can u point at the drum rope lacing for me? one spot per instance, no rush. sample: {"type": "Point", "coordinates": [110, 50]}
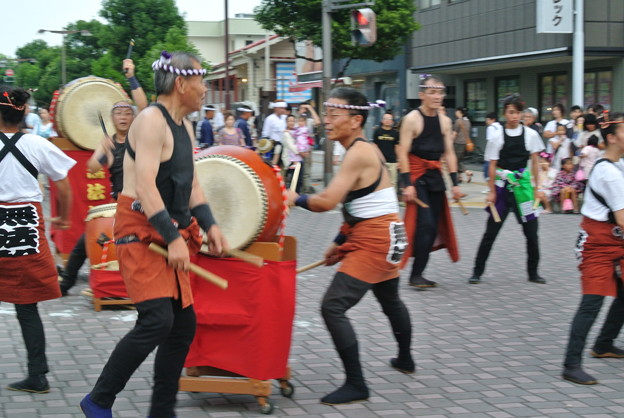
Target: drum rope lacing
{"type": "Point", "coordinates": [282, 228]}
{"type": "Point", "coordinates": [258, 182]}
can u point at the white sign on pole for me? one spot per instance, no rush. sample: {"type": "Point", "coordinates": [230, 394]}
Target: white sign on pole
{"type": "Point", "coordinates": [555, 16]}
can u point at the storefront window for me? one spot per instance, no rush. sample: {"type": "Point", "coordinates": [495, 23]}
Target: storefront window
{"type": "Point", "coordinates": [505, 87]}
{"type": "Point", "coordinates": [425, 4]}
{"type": "Point", "coordinates": [553, 90]}
{"type": "Point", "coordinates": [598, 88]}
{"type": "Point", "coordinates": [476, 99]}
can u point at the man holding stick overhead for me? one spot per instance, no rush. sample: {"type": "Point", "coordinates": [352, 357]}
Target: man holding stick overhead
{"type": "Point", "coordinates": [509, 152]}
{"type": "Point", "coordinates": [161, 202]}
{"type": "Point", "coordinates": [370, 243]}
{"type": "Point", "coordinates": [425, 138]}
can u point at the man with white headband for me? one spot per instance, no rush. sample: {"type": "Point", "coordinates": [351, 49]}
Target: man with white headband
{"type": "Point", "coordinates": [244, 113]}
{"type": "Point", "coordinates": [163, 203]}
{"type": "Point", "coordinates": [369, 246]}
{"type": "Point", "coordinates": [274, 127]}
{"type": "Point", "coordinates": [206, 130]}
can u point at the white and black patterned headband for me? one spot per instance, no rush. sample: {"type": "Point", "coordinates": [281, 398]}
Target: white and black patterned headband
{"type": "Point", "coordinates": [423, 77]}
{"type": "Point", "coordinates": [244, 109]}
{"type": "Point", "coordinates": [124, 105]}
{"type": "Point", "coordinates": [164, 63]}
{"type": "Point", "coordinates": [378, 103]}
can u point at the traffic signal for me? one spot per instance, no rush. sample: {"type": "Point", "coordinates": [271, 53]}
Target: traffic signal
{"type": "Point", "coordinates": [363, 27]}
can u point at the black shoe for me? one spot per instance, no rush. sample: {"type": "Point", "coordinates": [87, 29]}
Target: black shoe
{"type": "Point", "coordinates": [33, 384]}
{"type": "Point", "coordinates": [407, 367]}
{"type": "Point", "coordinates": [613, 352]}
{"type": "Point", "coordinates": [420, 282]}
{"type": "Point", "coordinates": [537, 279]}
{"type": "Point", "coordinates": [474, 279]}
{"type": "Point", "coordinates": [346, 394]}
{"type": "Point", "coordinates": [577, 375]}
{"type": "Point", "coordinates": [64, 289]}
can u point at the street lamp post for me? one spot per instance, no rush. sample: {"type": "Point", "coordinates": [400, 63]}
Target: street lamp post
{"type": "Point", "coordinates": [63, 33]}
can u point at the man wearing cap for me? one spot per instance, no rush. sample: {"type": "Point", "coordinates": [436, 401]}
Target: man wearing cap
{"type": "Point", "coordinates": [274, 127]}
{"type": "Point", "coordinates": [206, 132]}
{"type": "Point", "coordinates": [244, 113]}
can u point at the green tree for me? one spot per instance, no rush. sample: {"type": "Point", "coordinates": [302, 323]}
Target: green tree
{"type": "Point", "coordinates": [299, 20]}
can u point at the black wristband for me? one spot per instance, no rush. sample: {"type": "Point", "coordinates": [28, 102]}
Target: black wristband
{"type": "Point", "coordinates": [340, 238]}
{"type": "Point", "coordinates": [302, 201]}
{"type": "Point", "coordinates": [103, 159]}
{"type": "Point", "coordinates": [204, 217]}
{"type": "Point", "coordinates": [454, 179]}
{"type": "Point", "coordinates": [404, 180]}
{"type": "Point", "coordinates": [163, 224]}
{"type": "Point", "coordinates": [134, 83]}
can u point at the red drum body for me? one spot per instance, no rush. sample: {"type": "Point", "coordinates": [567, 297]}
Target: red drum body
{"type": "Point", "coordinates": [99, 233]}
{"type": "Point", "coordinates": [244, 194]}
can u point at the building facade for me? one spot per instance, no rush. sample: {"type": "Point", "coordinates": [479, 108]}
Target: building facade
{"type": "Point", "coordinates": [487, 49]}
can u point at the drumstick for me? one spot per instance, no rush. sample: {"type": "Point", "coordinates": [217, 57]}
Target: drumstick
{"type": "Point", "coordinates": [102, 123]}
{"type": "Point", "coordinates": [129, 53]}
{"type": "Point", "coordinates": [113, 263]}
{"type": "Point", "coordinates": [295, 177]}
{"type": "Point", "coordinates": [461, 206]}
{"type": "Point", "coordinates": [421, 203]}
{"type": "Point", "coordinates": [203, 273]}
{"type": "Point", "coordinates": [536, 204]}
{"type": "Point", "coordinates": [247, 257]}
{"type": "Point", "coordinates": [494, 212]}
{"type": "Point", "coordinates": [310, 266]}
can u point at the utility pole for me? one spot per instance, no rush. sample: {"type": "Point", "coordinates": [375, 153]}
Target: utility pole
{"type": "Point", "coordinates": [578, 54]}
{"type": "Point", "coordinates": [226, 85]}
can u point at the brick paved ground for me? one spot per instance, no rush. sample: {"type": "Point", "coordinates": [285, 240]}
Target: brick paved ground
{"type": "Point", "coordinates": [489, 350]}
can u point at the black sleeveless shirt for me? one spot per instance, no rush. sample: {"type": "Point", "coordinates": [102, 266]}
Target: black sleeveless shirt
{"type": "Point", "coordinates": [356, 194]}
{"type": "Point", "coordinates": [514, 155]}
{"type": "Point", "coordinates": [175, 176]}
{"type": "Point", "coordinates": [116, 168]}
{"type": "Point", "coordinates": [429, 145]}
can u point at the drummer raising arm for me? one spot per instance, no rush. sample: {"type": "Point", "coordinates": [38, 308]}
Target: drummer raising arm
{"type": "Point", "coordinates": [122, 114]}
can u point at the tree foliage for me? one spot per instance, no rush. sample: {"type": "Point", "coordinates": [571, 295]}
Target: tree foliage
{"type": "Point", "coordinates": [300, 20]}
{"type": "Point", "coordinates": [155, 25]}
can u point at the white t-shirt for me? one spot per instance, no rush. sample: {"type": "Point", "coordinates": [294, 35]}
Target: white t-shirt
{"type": "Point", "coordinates": [590, 156]}
{"type": "Point", "coordinates": [274, 127]}
{"type": "Point", "coordinates": [16, 183]}
{"type": "Point", "coordinates": [551, 126]}
{"type": "Point", "coordinates": [532, 142]}
{"type": "Point", "coordinates": [607, 180]}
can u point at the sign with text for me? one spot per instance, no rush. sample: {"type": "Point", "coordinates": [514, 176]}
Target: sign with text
{"type": "Point", "coordinates": [555, 16]}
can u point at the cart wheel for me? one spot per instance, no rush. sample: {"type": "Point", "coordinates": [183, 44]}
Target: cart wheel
{"type": "Point", "coordinates": [286, 389]}
{"type": "Point", "coordinates": [266, 406]}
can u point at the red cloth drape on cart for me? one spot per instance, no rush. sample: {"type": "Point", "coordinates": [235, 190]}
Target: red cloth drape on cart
{"type": "Point", "coordinates": [247, 328]}
{"type": "Point", "coordinates": [107, 284]}
{"type": "Point", "coordinates": [88, 190]}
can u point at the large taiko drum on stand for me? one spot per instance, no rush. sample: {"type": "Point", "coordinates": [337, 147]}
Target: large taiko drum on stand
{"type": "Point", "coordinates": [99, 233]}
{"type": "Point", "coordinates": [244, 194]}
{"type": "Point", "coordinates": [75, 110]}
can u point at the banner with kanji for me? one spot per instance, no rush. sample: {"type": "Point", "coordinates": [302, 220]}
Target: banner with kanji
{"type": "Point", "coordinates": [88, 190]}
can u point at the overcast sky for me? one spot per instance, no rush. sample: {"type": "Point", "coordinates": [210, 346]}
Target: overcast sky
{"type": "Point", "coordinates": [23, 18]}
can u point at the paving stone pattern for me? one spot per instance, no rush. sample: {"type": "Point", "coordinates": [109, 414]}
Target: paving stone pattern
{"type": "Point", "coordinates": [488, 350]}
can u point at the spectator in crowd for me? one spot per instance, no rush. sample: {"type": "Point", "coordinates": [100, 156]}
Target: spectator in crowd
{"type": "Point", "coordinates": [387, 139]}
{"type": "Point", "coordinates": [229, 134]}
{"type": "Point", "coordinates": [566, 188]}
{"type": "Point", "coordinates": [561, 146]}
{"type": "Point", "coordinates": [493, 130]}
{"type": "Point", "coordinates": [596, 109]}
{"type": "Point", "coordinates": [589, 154]}
{"type": "Point", "coordinates": [575, 112]}
{"type": "Point", "coordinates": [590, 127]}
{"type": "Point", "coordinates": [551, 127]}
{"type": "Point", "coordinates": [45, 128]}
{"type": "Point", "coordinates": [461, 134]}
{"type": "Point", "coordinates": [529, 119]}
{"type": "Point", "coordinates": [242, 123]}
{"type": "Point", "coordinates": [206, 129]}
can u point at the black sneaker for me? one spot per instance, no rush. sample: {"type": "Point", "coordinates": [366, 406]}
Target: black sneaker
{"type": "Point", "coordinates": [537, 279]}
{"type": "Point", "coordinates": [33, 384]}
{"type": "Point", "coordinates": [407, 367]}
{"type": "Point", "coordinates": [474, 279]}
{"type": "Point", "coordinates": [577, 375]}
{"type": "Point", "coordinates": [420, 282]}
{"type": "Point", "coordinates": [613, 352]}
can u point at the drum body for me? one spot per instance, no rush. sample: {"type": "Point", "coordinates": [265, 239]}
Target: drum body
{"type": "Point", "coordinates": [98, 233]}
{"type": "Point", "coordinates": [244, 194]}
{"type": "Point", "coordinates": [76, 110]}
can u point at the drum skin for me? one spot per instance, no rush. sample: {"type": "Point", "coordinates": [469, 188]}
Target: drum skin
{"type": "Point", "coordinates": [99, 226]}
{"type": "Point", "coordinates": [77, 106]}
{"type": "Point", "coordinates": [273, 200]}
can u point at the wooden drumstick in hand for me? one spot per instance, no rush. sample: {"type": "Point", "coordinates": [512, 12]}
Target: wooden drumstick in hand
{"type": "Point", "coordinates": [421, 203]}
{"type": "Point", "coordinates": [247, 257]}
{"type": "Point", "coordinates": [310, 266]}
{"type": "Point", "coordinates": [494, 212]}
{"type": "Point", "coordinates": [204, 274]}
{"type": "Point", "coordinates": [295, 177]}
{"type": "Point", "coordinates": [461, 206]}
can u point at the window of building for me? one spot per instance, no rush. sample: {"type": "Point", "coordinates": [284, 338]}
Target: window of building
{"type": "Point", "coordinates": [475, 93]}
{"type": "Point", "coordinates": [598, 88]}
{"type": "Point", "coordinates": [553, 90]}
{"type": "Point", "coordinates": [248, 42]}
{"type": "Point", "coordinates": [505, 87]}
{"type": "Point", "coordinates": [426, 4]}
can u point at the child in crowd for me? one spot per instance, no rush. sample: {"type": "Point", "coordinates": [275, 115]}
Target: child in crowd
{"type": "Point", "coordinates": [589, 155]}
{"type": "Point", "coordinates": [291, 155]}
{"type": "Point", "coordinates": [562, 147]}
{"type": "Point", "coordinates": [566, 188]}
{"type": "Point", "coordinates": [302, 137]}
{"type": "Point", "coordinates": [546, 179]}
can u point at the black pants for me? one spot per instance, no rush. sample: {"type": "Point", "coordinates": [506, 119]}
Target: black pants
{"type": "Point", "coordinates": [76, 259]}
{"type": "Point", "coordinates": [491, 232]}
{"type": "Point", "coordinates": [426, 227]}
{"type": "Point", "coordinates": [34, 337]}
{"type": "Point", "coordinates": [345, 291]}
{"type": "Point", "coordinates": [164, 324]}
{"type": "Point", "coordinates": [585, 318]}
